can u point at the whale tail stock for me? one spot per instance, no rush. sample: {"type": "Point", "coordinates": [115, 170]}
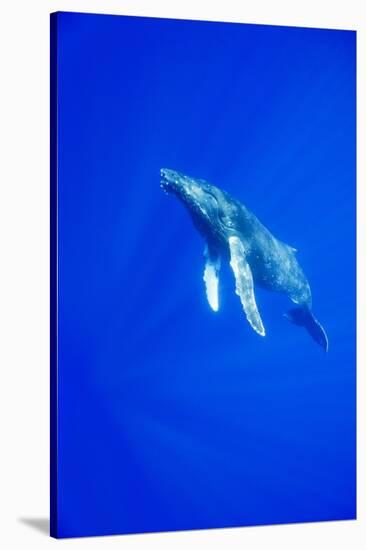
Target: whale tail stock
{"type": "Point", "coordinates": [302, 316]}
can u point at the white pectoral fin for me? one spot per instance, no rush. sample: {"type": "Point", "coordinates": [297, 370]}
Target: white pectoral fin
{"type": "Point", "coordinates": [211, 278]}
{"type": "Point", "coordinates": [244, 284]}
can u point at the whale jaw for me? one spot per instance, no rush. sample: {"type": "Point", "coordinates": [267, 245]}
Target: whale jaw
{"type": "Point", "coordinates": [173, 182]}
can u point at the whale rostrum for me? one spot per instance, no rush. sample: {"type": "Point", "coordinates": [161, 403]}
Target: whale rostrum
{"type": "Point", "coordinates": [233, 233]}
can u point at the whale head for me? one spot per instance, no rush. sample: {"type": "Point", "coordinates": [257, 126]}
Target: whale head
{"type": "Point", "coordinates": [212, 210]}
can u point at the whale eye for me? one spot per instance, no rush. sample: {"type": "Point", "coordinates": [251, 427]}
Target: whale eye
{"type": "Point", "coordinates": [225, 219]}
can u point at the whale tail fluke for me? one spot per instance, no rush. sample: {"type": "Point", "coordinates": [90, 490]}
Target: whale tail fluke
{"type": "Point", "coordinates": [303, 317]}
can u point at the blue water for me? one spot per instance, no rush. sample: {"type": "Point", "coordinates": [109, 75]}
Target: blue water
{"type": "Point", "coordinates": [172, 416]}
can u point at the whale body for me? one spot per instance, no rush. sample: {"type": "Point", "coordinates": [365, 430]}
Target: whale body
{"type": "Point", "coordinates": [233, 233]}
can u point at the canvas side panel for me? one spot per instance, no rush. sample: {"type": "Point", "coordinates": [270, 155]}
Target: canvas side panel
{"type": "Point", "coordinates": [53, 277]}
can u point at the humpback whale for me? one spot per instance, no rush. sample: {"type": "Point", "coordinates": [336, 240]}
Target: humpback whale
{"type": "Point", "coordinates": [232, 232]}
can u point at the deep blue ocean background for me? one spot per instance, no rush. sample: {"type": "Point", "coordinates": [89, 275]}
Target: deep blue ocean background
{"type": "Point", "coordinates": [172, 416]}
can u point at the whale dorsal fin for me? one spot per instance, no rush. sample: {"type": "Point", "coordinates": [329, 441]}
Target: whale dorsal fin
{"type": "Point", "coordinates": [211, 277]}
{"type": "Point", "coordinates": [289, 247]}
{"type": "Point", "coordinates": [244, 284]}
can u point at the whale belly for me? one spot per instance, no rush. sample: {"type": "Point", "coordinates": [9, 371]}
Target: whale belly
{"type": "Point", "coordinates": [276, 268]}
